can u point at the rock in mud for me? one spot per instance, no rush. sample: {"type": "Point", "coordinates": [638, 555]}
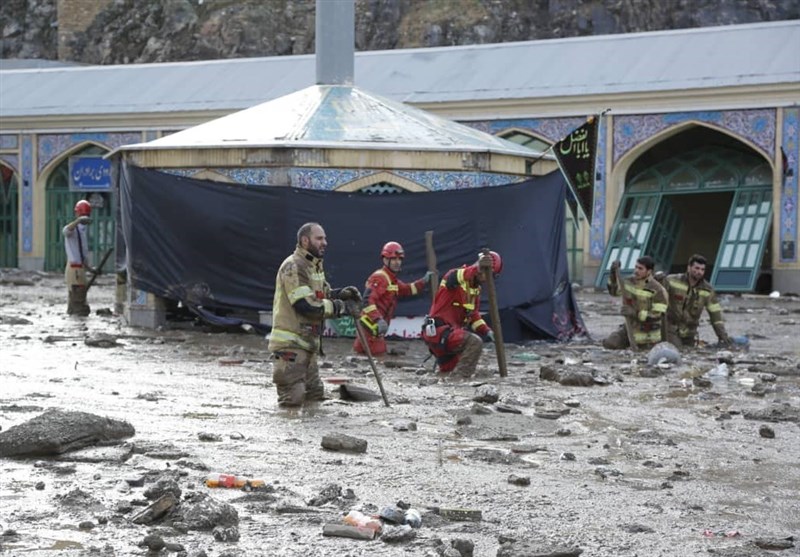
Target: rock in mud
{"type": "Point", "coordinates": [162, 486]}
{"type": "Point", "coordinates": [775, 544]}
{"type": "Point", "coordinates": [226, 533]}
{"type": "Point", "coordinates": [766, 432]}
{"type": "Point", "coordinates": [464, 547]}
{"type": "Point", "coordinates": [773, 414]}
{"type": "Point", "coordinates": [206, 513]}
{"type": "Point", "coordinates": [157, 510]}
{"type": "Point", "coordinates": [398, 534]}
{"type": "Point", "coordinates": [59, 431]}
{"type": "Point", "coordinates": [487, 394]}
{"type": "Point", "coordinates": [342, 442]}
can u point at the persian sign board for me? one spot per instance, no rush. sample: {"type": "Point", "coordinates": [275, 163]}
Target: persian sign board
{"type": "Point", "coordinates": [89, 174]}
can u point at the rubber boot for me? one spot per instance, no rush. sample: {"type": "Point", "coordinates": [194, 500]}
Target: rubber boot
{"type": "Point", "coordinates": [470, 354]}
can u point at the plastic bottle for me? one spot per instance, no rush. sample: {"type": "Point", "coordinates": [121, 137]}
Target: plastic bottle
{"type": "Point", "coordinates": [361, 520]}
{"type": "Point", "coordinates": [229, 480]}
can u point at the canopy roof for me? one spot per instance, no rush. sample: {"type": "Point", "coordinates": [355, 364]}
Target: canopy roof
{"type": "Point", "coordinates": [334, 116]}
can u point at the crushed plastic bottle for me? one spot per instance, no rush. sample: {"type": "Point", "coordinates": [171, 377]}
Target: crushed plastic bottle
{"type": "Point", "coordinates": [229, 480]}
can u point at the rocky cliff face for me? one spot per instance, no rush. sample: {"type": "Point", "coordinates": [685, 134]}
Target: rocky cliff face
{"type": "Point", "coordinates": [128, 31]}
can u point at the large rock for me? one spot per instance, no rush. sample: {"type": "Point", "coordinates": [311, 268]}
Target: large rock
{"type": "Point", "coordinates": [59, 431]}
{"type": "Point", "coordinates": [206, 513]}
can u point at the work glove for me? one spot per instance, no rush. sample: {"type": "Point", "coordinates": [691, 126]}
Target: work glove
{"type": "Point", "coordinates": [488, 337]}
{"type": "Point", "coordinates": [615, 265]}
{"type": "Point", "coordinates": [339, 307]}
{"type": "Point", "coordinates": [628, 311]}
{"type": "Point", "coordinates": [660, 276]}
{"type": "Point", "coordinates": [84, 220]}
{"type": "Point", "coordinates": [349, 293]}
{"type": "Point", "coordinates": [427, 277]}
{"type": "Point", "coordinates": [353, 307]}
{"type": "Point", "coordinates": [383, 326]}
{"type": "Point", "coordinates": [485, 262]}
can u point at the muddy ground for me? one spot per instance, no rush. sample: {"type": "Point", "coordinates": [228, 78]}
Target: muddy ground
{"type": "Point", "coordinates": [640, 466]}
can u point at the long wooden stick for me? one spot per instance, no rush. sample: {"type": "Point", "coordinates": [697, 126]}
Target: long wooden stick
{"type": "Point", "coordinates": [430, 256]}
{"type": "Point", "coordinates": [363, 338]}
{"type": "Point", "coordinates": [494, 312]}
{"type": "Point", "coordinates": [99, 269]}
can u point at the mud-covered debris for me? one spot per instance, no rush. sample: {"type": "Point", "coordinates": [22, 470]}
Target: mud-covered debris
{"type": "Point", "coordinates": [58, 468]}
{"type": "Point", "coordinates": [162, 486]}
{"type": "Point", "coordinates": [774, 544]}
{"type": "Point", "coordinates": [507, 408]}
{"type": "Point", "coordinates": [513, 479]}
{"type": "Point", "coordinates": [551, 413]}
{"type": "Point", "coordinates": [329, 493]}
{"type": "Point", "coordinates": [153, 542]}
{"type": "Point", "coordinates": [205, 513]}
{"type": "Point", "coordinates": [636, 529]}
{"type": "Point", "coordinates": [479, 409]}
{"type": "Point", "coordinates": [536, 549]}
{"type": "Point", "coordinates": [347, 531]}
{"type": "Point", "coordinates": [342, 442]}
{"type": "Point", "coordinates": [13, 320]}
{"type": "Point", "coordinates": [464, 546]}
{"type": "Point", "coordinates": [348, 391]}
{"type": "Point", "coordinates": [208, 437]}
{"type": "Point", "coordinates": [494, 456]}
{"type": "Point", "coordinates": [58, 431]}
{"type": "Point", "coordinates": [155, 511]}
{"type": "Point", "coordinates": [404, 425]}
{"type": "Point", "coordinates": [487, 394]}
{"type": "Point", "coordinates": [464, 420]}
{"type": "Point", "coordinates": [226, 533]}
{"type": "Point", "coordinates": [398, 534]}
{"type": "Point", "coordinates": [774, 413]}
{"type": "Point", "coordinates": [102, 340]}
{"type": "Point", "coordinates": [725, 357]}
{"type": "Point", "coordinates": [766, 432]}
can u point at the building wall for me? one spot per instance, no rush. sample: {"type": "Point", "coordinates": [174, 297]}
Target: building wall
{"type": "Point", "coordinates": [74, 16]}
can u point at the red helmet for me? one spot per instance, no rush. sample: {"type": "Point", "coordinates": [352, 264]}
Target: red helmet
{"type": "Point", "coordinates": [83, 208]}
{"type": "Point", "coordinates": [393, 249]}
{"type": "Point", "coordinates": [497, 262]}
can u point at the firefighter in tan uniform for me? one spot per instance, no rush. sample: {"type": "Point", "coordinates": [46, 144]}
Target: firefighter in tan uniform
{"type": "Point", "coordinates": [76, 245]}
{"type": "Point", "coordinates": [644, 303]}
{"type": "Point", "coordinates": [303, 300]}
{"type": "Point", "coordinates": [690, 294]}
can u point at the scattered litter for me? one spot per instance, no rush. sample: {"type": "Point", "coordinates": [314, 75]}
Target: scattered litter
{"type": "Point", "coordinates": [719, 371]}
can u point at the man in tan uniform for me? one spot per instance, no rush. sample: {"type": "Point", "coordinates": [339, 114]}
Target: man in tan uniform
{"type": "Point", "coordinates": [689, 294]}
{"type": "Point", "coordinates": [303, 300]}
{"type": "Point", "coordinates": [644, 302]}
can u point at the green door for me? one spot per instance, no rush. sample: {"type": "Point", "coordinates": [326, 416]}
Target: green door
{"type": "Point", "coordinates": [60, 202]}
{"type": "Point", "coordinates": [742, 247]}
{"type": "Point", "coordinates": [631, 233]}
{"type": "Point", "coordinates": [664, 236]}
{"type": "Point", "coordinates": [9, 221]}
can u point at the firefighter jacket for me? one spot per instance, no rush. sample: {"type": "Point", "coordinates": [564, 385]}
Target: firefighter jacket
{"type": "Point", "coordinates": [686, 305]}
{"type": "Point", "coordinates": [457, 301]}
{"type": "Point", "coordinates": [381, 292]}
{"type": "Point", "coordinates": [300, 277]}
{"type": "Point", "coordinates": [644, 303]}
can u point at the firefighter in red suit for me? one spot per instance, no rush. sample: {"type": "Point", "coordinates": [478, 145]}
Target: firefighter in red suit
{"type": "Point", "coordinates": [383, 288]}
{"type": "Point", "coordinates": [454, 329]}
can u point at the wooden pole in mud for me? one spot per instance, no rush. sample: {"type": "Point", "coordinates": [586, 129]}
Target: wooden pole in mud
{"type": "Point", "coordinates": [363, 339]}
{"type": "Point", "coordinates": [430, 256]}
{"type": "Point", "coordinates": [494, 312]}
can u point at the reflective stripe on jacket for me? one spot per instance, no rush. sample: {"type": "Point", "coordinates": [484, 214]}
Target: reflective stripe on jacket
{"type": "Point", "coordinates": [382, 290]}
{"type": "Point", "coordinates": [686, 305]}
{"type": "Point", "coordinates": [457, 301]}
{"type": "Point", "coordinates": [300, 276]}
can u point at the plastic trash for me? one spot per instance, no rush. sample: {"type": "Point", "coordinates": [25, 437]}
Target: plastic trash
{"type": "Point", "coordinates": [413, 518]}
{"type": "Point", "coordinates": [229, 480]}
{"type": "Point", "coordinates": [774, 294]}
{"type": "Point", "coordinates": [361, 520]}
{"type": "Point", "coordinates": [719, 371]}
{"type": "Point", "coordinates": [663, 352]}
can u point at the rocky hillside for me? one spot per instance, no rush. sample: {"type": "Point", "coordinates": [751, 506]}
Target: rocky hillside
{"type": "Point", "coordinates": [127, 31]}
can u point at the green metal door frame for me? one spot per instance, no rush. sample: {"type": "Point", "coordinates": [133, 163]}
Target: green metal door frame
{"type": "Point", "coordinates": [9, 217]}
